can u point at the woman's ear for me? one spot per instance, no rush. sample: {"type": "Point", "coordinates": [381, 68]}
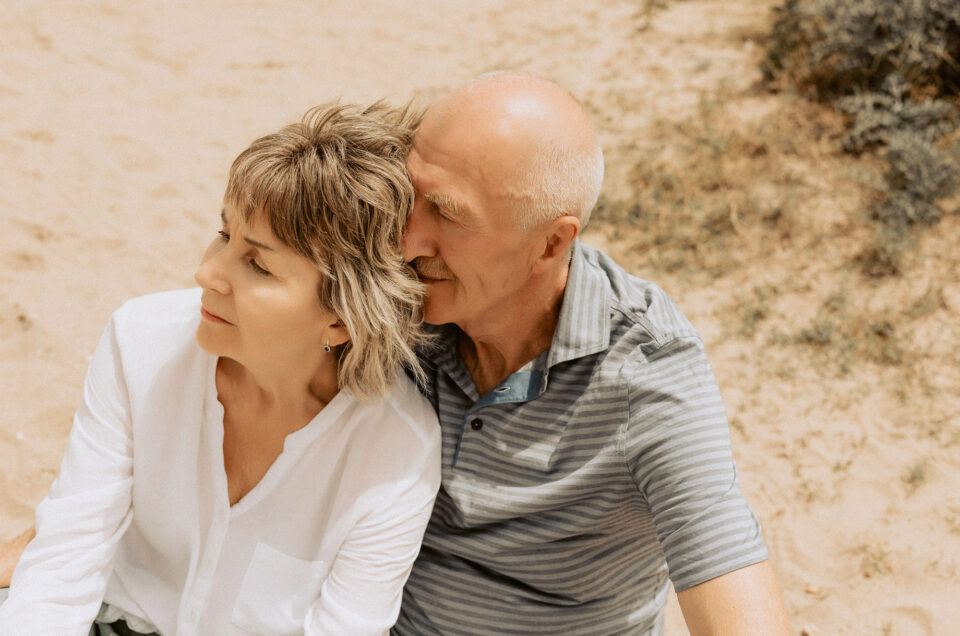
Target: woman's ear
{"type": "Point", "coordinates": [337, 334]}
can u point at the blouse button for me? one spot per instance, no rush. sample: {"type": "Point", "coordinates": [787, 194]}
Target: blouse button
{"type": "Point", "coordinates": [476, 424]}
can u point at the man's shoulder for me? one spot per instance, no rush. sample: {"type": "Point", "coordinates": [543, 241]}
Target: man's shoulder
{"type": "Point", "coordinates": [637, 304]}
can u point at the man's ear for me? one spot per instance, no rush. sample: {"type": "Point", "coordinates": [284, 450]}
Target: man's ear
{"type": "Point", "coordinates": [559, 236]}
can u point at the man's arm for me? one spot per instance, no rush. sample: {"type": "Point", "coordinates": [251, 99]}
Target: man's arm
{"type": "Point", "coordinates": [745, 601]}
{"type": "Point", "coordinates": [10, 554]}
{"type": "Point", "coordinates": [679, 453]}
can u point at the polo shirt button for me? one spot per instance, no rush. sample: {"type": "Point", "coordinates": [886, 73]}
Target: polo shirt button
{"type": "Point", "coordinates": [476, 424]}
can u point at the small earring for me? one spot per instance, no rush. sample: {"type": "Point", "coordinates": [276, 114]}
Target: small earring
{"type": "Point", "coordinates": [326, 347]}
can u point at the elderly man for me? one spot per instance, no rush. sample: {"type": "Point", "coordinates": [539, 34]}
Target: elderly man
{"type": "Point", "coordinates": [586, 454]}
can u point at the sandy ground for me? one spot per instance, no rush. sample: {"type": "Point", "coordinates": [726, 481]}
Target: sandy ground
{"type": "Point", "coordinates": [118, 122]}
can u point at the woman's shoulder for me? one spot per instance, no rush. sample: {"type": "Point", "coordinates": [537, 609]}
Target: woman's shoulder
{"type": "Point", "coordinates": [158, 321]}
{"type": "Point", "coordinates": [161, 307]}
{"type": "Point", "coordinates": [413, 408]}
{"type": "Point", "coordinates": [402, 417]}
{"type": "Point", "coordinates": [397, 437]}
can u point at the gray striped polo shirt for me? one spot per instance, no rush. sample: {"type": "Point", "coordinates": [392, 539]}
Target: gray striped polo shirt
{"type": "Point", "coordinates": [574, 489]}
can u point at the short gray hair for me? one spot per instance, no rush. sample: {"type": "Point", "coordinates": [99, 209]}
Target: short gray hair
{"type": "Point", "coordinates": [334, 187]}
{"type": "Point", "coordinates": [558, 180]}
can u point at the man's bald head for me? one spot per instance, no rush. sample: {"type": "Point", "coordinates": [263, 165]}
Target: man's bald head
{"type": "Point", "coordinates": [529, 138]}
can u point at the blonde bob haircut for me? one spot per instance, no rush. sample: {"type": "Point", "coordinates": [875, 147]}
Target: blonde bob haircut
{"type": "Point", "coordinates": [334, 187]}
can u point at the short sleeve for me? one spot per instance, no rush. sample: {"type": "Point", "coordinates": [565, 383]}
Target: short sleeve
{"type": "Point", "coordinates": [677, 447]}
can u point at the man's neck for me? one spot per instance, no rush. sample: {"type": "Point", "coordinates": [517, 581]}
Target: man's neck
{"type": "Point", "coordinates": [498, 349]}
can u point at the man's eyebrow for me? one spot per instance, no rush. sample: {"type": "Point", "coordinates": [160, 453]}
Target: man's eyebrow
{"type": "Point", "coordinates": [447, 203]}
{"type": "Point", "coordinates": [223, 218]}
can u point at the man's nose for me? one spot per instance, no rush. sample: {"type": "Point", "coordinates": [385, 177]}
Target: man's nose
{"type": "Point", "coordinates": [417, 239]}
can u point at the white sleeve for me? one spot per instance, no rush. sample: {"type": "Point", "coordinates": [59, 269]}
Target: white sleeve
{"type": "Point", "coordinates": [362, 593]}
{"type": "Point", "coordinates": [59, 583]}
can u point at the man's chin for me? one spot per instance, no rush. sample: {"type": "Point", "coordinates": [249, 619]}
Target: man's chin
{"type": "Point", "coordinates": [434, 318]}
{"type": "Point", "coordinates": [441, 304]}
{"type": "Point", "coordinates": [434, 315]}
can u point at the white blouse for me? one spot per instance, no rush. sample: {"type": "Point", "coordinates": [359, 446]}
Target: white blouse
{"type": "Point", "coordinates": [139, 517]}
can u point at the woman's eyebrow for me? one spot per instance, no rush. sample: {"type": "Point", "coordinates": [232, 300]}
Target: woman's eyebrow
{"type": "Point", "coordinates": [223, 218]}
{"type": "Point", "coordinates": [258, 244]}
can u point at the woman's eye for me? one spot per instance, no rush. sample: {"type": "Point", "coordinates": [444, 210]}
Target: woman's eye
{"type": "Point", "coordinates": [257, 268]}
{"type": "Point", "coordinates": [223, 236]}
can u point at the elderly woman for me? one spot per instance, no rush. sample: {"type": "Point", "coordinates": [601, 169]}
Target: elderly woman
{"type": "Point", "coordinates": [249, 457]}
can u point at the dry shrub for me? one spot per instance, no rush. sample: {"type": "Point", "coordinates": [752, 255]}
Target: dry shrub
{"type": "Point", "coordinates": [877, 116]}
{"type": "Point", "coordinates": [893, 68]}
{"type": "Point", "coordinates": [839, 47]}
{"type": "Point", "coordinates": [844, 338]}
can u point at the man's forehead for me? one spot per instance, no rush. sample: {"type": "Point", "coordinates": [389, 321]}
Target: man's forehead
{"type": "Point", "coordinates": [416, 170]}
{"type": "Point", "coordinates": [413, 161]}
{"type": "Point", "coordinates": [427, 165]}
{"type": "Point", "coordinates": [451, 156]}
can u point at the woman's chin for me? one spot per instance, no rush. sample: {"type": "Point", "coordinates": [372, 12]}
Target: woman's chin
{"type": "Point", "coordinates": [209, 342]}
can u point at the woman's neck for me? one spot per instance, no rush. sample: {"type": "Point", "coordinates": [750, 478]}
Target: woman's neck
{"type": "Point", "coordinates": [297, 391]}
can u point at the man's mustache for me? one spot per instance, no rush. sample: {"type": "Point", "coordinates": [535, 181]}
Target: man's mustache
{"type": "Point", "coordinates": [433, 268]}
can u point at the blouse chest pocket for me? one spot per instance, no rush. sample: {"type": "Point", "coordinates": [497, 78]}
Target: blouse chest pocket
{"type": "Point", "coordinates": [277, 591]}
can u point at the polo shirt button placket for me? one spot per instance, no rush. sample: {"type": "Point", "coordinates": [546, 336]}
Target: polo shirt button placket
{"type": "Point", "coordinates": [476, 424]}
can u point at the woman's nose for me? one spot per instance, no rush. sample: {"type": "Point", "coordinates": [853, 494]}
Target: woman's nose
{"type": "Point", "coordinates": [210, 274]}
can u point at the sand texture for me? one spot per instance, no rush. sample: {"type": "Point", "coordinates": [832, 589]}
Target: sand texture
{"type": "Point", "coordinates": [119, 120]}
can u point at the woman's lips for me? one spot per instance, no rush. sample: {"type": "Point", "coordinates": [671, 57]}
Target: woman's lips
{"type": "Point", "coordinates": [213, 317]}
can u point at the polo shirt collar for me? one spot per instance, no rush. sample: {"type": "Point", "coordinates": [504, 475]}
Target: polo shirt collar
{"type": "Point", "coordinates": [584, 324]}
